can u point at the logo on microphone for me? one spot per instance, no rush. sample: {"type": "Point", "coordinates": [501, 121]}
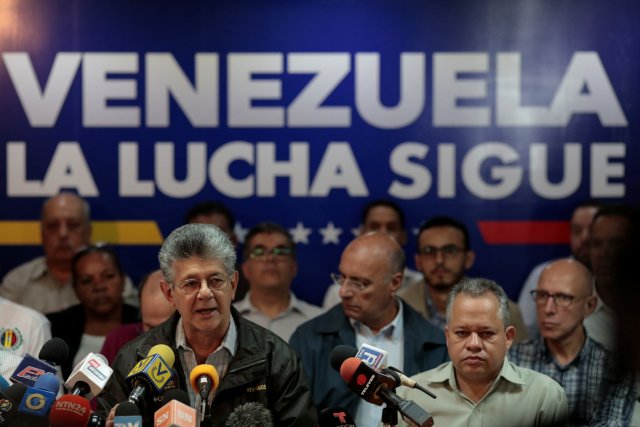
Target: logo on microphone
{"type": "Point", "coordinates": [30, 373]}
{"type": "Point", "coordinates": [361, 379]}
{"type": "Point", "coordinates": [5, 405]}
{"type": "Point", "coordinates": [93, 366]}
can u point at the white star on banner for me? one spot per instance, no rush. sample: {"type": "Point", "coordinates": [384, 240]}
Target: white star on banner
{"type": "Point", "coordinates": [240, 232]}
{"type": "Point", "coordinates": [300, 234]}
{"type": "Point", "coordinates": [355, 231]}
{"type": "Point", "coordinates": [330, 234]}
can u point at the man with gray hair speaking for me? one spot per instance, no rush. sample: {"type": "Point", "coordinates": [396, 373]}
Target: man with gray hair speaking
{"type": "Point", "coordinates": [254, 365]}
{"type": "Point", "coordinates": [480, 386]}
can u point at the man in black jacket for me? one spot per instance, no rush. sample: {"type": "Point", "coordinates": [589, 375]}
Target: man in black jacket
{"type": "Point", "coordinates": [254, 365]}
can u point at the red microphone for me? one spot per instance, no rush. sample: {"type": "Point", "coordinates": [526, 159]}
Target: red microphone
{"type": "Point", "coordinates": [70, 411]}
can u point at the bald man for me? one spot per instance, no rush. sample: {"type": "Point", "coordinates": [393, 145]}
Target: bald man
{"type": "Point", "coordinates": [44, 283]}
{"type": "Point", "coordinates": [369, 275]}
{"type": "Point", "coordinates": [564, 298]}
{"type": "Point", "coordinates": [154, 309]}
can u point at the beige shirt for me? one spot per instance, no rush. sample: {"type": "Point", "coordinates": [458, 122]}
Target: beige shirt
{"type": "Point", "coordinates": [32, 285]}
{"type": "Point", "coordinates": [519, 397]}
{"type": "Point", "coordinates": [414, 295]}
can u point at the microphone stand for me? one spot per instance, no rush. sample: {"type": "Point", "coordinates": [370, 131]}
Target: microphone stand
{"type": "Point", "coordinates": [389, 416]}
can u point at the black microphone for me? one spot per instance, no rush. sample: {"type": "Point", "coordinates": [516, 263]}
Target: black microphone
{"type": "Point", "coordinates": [339, 354]}
{"type": "Point", "coordinates": [11, 399]}
{"type": "Point", "coordinates": [377, 388]}
{"type": "Point", "coordinates": [55, 351]}
{"type": "Point", "coordinates": [250, 414]}
{"type": "Point", "coordinates": [335, 417]}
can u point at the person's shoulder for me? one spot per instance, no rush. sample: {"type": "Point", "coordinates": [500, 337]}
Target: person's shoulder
{"type": "Point", "coordinates": [22, 311]}
{"type": "Point", "coordinates": [438, 374]}
{"type": "Point", "coordinates": [534, 379]}
{"type": "Point", "coordinates": [26, 270]}
{"type": "Point", "coordinates": [411, 289]}
{"type": "Point", "coordinates": [72, 311]}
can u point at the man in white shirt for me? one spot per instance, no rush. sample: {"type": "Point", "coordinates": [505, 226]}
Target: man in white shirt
{"type": "Point", "coordinates": [22, 330]}
{"type": "Point", "coordinates": [270, 267]}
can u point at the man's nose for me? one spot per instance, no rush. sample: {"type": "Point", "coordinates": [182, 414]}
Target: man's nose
{"type": "Point", "coordinates": [474, 341]}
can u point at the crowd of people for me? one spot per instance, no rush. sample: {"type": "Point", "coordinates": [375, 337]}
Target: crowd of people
{"type": "Point", "coordinates": [559, 356]}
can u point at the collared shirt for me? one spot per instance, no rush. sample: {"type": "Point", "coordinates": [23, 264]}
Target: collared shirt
{"type": "Point", "coordinates": [284, 323]}
{"type": "Point", "coordinates": [31, 284]}
{"type": "Point", "coordinates": [601, 324]}
{"type": "Point", "coordinates": [518, 397]}
{"type": "Point", "coordinates": [391, 339]}
{"type": "Point", "coordinates": [582, 380]}
{"type": "Point", "coordinates": [437, 318]}
{"type": "Point", "coordinates": [22, 329]}
{"type": "Point", "coordinates": [220, 359]}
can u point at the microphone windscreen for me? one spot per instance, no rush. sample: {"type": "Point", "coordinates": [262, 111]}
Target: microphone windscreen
{"type": "Point", "coordinates": [349, 367]}
{"type": "Point", "coordinates": [250, 414]}
{"type": "Point", "coordinates": [49, 382]}
{"type": "Point", "coordinates": [177, 394]}
{"type": "Point", "coordinates": [341, 353]}
{"type": "Point", "coordinates": [16, 392]}
{"type": "Point", "coordinates": [126, 409]}
{"type": "Point", "coordinates": [204, 369]}
{"type": "Point", "coordinates": [70, 411]}
{"type": "Point", "coordinates": [55, 350]}
{"type": "Point", "coordinates": [163, 351]}
{"type": "Point", "coordinates": [335, 417]}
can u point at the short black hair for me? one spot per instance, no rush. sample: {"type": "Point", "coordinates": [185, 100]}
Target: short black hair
{"type": "Point", "coordinates": [268, 228]}
{"type": "Point", "coordinates": [385, 203]}
{"type": "Point", "coordinates": [87, 250]}
{"type": "Point", "coordinates": [209, 207]}
{"type": "Point", "coordinates": [445, 221]}
{"type": "Point", "coordinates": [624, 211]}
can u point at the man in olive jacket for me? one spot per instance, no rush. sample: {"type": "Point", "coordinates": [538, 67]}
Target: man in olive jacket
{"type": "Point", "coordinates": [254, 365]}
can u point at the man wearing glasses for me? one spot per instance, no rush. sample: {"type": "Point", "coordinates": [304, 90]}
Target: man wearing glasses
{"type": "Point", "coordinates": [270, 267]}
{"type": "Point", "coordinates": [369, 275]}
{"type": "Point", "coordinates": [253, 364]}
{"type": "Point", "coordinates": [444, 254]}
{"type": "Point", "coordinates": [564, 298]}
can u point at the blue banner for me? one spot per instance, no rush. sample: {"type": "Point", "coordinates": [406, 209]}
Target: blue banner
{"type": "Point", "coordinates": [494, 112]}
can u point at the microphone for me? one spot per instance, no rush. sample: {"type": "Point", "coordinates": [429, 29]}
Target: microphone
{"type": "Point", "coordinates": [96, 420]}
{"type": "Point", "coordinates": [53, 352]}
{"type": "Point", "coordinates": [9, 399]}
{"type": "Point", "coordinates": [335, 417]}
{"type": "Point", "coordinates": [339, 354]}
{"type": "Point", "coordinates": [70, 411]}
{"type": "Point", "coordinates": [177, 412]}
{"type": "Point", "coordinates": [250, 414]}
{"type": "Point", "coordinates": [29, 369]}
{"type": "Point", "coordinates": [408, 382]}
{"type": "Point", "coordinates": [151, 374]}
{"type": "Point", "coordinates": [37, 400]}
{"type": "Point", "coordinates": [89, 376]}
{"type": "Point", "coordinates": [127, 415]}
{"type": "Point", "coordinates": [377, 388]}
{"type": "Point", "coordinates": [204, 378]}
{"type": "Point", "coordinates": [377, 358]}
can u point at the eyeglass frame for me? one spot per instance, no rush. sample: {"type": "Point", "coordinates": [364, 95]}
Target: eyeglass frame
{"type": "Point", "coordinates": [277, 252]}
{"type": "Point", "coordinates": [184, 283]}
{"type": "Point", "coordinates": [453, 250]}
{"type": "Point", "coordinates": [569, 299]}
{"type": "Point", "coordinates": [355, 285]}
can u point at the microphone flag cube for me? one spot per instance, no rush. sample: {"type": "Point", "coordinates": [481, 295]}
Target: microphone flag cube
{"type": "Point", "coordinates": [29, 369]}
{"type": "Point", "coordinates": [372, 356]}
{"type": "Point", "coordinates": [152, 371]}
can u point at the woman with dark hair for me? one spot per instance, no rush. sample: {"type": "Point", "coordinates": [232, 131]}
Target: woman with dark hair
{"type": "Point", "coordinates": [98, 281]}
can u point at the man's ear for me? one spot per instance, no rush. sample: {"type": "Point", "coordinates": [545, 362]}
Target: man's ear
{"type": "Point", "coordinates": [470, 257]}
{"type": "Point", "coordinates": [167, 290]}
{"type": "Point", "coordinates": [511, 334]}
{"type": "Point", "coordinates": [590, 305]}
